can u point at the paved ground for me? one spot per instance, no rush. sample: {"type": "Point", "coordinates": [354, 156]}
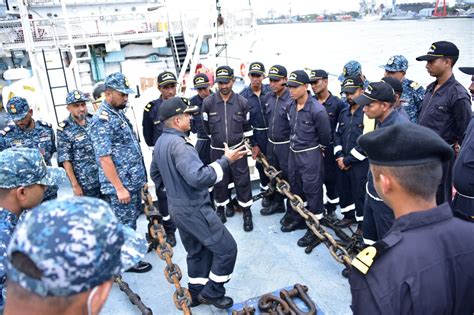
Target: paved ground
{"type": "Point", "coordinates": [267, 260]}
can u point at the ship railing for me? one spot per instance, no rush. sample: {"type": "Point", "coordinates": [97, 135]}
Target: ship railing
{"type": "Point", "coordinates": [84, 29]}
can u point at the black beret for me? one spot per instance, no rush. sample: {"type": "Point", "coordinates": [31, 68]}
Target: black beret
{"type": "Point", "coordinates": [404, 145]}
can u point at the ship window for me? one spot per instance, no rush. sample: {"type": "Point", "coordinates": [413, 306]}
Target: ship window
{"type": "Point", "coordinates": [204, 46]}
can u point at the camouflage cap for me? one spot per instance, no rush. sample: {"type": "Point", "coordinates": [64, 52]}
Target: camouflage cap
{"type": "Point", "coordinates": [350, 69]}
{"type": "Point", "coordinates": [119, 82]}
{"type": "Point", "coordinates": [17, 108]}
{"type": "Point", "coordinates": [76, 96]}
{"type": "Point", "coordinates": [396, 63]}
{"type": "Point", "coordinates": [76, 243]}
{"type": "Point", "coordinates": [25, 167]}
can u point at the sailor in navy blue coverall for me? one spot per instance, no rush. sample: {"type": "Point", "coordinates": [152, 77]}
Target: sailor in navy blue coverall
{"type": "Point", "coordinates": [211, 249]}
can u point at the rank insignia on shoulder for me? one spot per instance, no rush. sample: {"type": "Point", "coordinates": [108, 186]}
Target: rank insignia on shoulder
{"type": "Point", "coordinates": [5, 131]}
{"type": "Point", "coordinates": [148, 107]}
{"type": "Point", "coordinates": [365, 259]}
{"type": "Point", "coordinates": [44, 123]}
{"type": "Point", "coordinates": [415, 85]}
{"type": "Point", "coordinates": [61, 126]}
{"type": "Point", "coordinates": [104, 115]}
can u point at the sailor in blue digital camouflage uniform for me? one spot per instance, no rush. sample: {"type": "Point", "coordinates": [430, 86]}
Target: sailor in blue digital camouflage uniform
{"type": "Point", "coordinates": [29, 133]}
{"type": "Point", "coordinates": [352, 68]}
{"type": "Point", "coordinates": [121, 171]}
{"type": "Point", "coordinates": [24, 177]}
{"type": "Point", "coordinates": [463, 169]}
{"type": "Point", "coordinates": [310, 134]}
{"type": "Point", "coordinates": [278, 148]}
{"type": "Point", "coordinates": [350, 158]}
{"type": "Point", "coordinates": [424, 263]}
{"type": "Point", "coordinates": [152, 129]}
{"type": "Point", "coordinates": [413, 93]}
{"type": "Point", "coordinates": [226, 120]}
{"type": "Point", "coordinates": [446, 108]}
{"type": "Point", "coordinates": [64, 256]}
{"type": "Point", "coordinates": [378, 100]}
{"type": "Point", "coordinates": [75, 149]}
{"type": "Point", "coordinates": [211, 249]}
{"type": "Point", "coordinates": [333, 106]}
{"type": "Point", "coordinates": [255, 94]}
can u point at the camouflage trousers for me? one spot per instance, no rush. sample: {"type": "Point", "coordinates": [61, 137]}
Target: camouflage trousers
{"type": "Point", "coordinates": [126, 213]}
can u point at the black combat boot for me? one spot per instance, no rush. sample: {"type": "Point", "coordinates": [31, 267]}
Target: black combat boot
{"type": "Point", "coordinates": [307, 239]}
{"type": "Point", "coordinates": [248, 224]}
{"type": "Point", "coordinates": [229, 210]}
{"type": "Point", "coordinates": [221, 214]}
{"type": "Point", "coordinates": [277, 206]}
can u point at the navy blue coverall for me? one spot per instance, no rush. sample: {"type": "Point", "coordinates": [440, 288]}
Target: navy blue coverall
{"type": "Point", "coordinates": [203, 143]}
{"type": "Point", "coordinates": [229, 122]}
{"type": "Point", "coordinates": [310, 129]}
{"type": "Point", "coordinates": [447, 112]}
{"type": "Point", "coordinates": [211, 249]}
{"type": "Point", "coordinates": [278, 147]}
{"type": "Point", "coordinates": [152, 130]}
{"type": "Point", "coordinates": [378, 217]}
{"type": "Point", "coordinates": [333, 106]}
{"type": "Point", "coordinates": [422, 266]}
{"type": "Point", "coordinates": [350, 127]}
{"type": "Point", "coordinates": [463, 176]}
{"type": "Point", "coordinates": [259, 125]}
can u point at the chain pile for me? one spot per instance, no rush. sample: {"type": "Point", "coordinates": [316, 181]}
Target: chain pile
{"type": "Point", "coordinates": [181, 297]}
{"type": "Point", "coordinates": [282, 186]}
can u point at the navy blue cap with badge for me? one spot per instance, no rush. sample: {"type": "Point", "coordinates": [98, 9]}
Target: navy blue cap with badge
{"type": "Point", "coordinates": [76, 96]}
{"type": "Point", "coordinates": [21, 167]}
{"type": "Point", "coordinates": [17, 108]}
{"type": "Point", "coordinates": [224, 74]}
{"type": "Point", "coordinates": [376, 91]}
{"type": "Point", "coordinates": [257, 68]}
{"type": "Point", "coordinates": [176, 106]}
{"type": "Point", "coordinates": [119, 82]}
{"type": "Point", "coordinates": [201, 81]}
{"type": "Point", "coordinates": [277, 72]}
{"type": "Point", "coordinates": [76, 244]}
{"type": "Point", "coordinates": [408, 146]}
{"type": "Point", "coordinates": [166, 78]}
{"type": "Point", "coordinates": [318, 74]}
{"type": "Point", "coordinates": [351, 84]}
{"type": "Point", "coordinates": [298, 78]}
{"type": "Point", "coordinates": [438, 50]}
{"type": "Point", "coordinates": [351, 68]}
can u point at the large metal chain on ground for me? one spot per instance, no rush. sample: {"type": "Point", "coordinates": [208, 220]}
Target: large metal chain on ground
{"type": "Point", "coordinates": [132, 296]}
{"type": "Point", "coordinates": [181, 297]}
{"type": "Point", "coordinates": [282, 186]}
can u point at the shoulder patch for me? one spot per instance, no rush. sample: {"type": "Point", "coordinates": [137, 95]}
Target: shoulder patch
{"type": "Point", "coordinates": [415, 85]}
{"type": "Point", "coordinates": [5, 131]}
{"type": "Point", "coordinates": [44, 123]}
{"type": "Point", "coordinates": [148, 107]}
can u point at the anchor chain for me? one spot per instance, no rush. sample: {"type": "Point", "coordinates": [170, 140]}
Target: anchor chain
{"type": "Point", "coordinates": [284, 304]}
{"type": "Point", "coordinates": [181, 297]}
{"type": "Point", "coordinates": [132, 296]}
{"type": "Point", "coordinates": [337, 250]}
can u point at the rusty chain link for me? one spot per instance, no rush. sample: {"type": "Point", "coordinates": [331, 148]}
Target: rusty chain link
{"type": "Point", "coordinates": [181, 297]}
{"type": "Point", "coordinates": [132, 296]}
{"type": "Point", "coordinates": [282, 186]}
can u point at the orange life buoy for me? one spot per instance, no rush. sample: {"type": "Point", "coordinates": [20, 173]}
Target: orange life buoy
{"type": "Point", "coordinates": [242, 69]}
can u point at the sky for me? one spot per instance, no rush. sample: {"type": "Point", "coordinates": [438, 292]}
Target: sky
{"type": "Point", "coordinates": [261, 7]}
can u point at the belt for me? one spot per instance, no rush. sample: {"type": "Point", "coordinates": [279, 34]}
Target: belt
{"type": "Point", "coordinates": [308, 149]}
{"type": "Point", "coordinates": [278, 142]}
{"type": "Point", "coordinates": [232, 147]}
{"type": "Point", "coordinates": [465, 196]}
